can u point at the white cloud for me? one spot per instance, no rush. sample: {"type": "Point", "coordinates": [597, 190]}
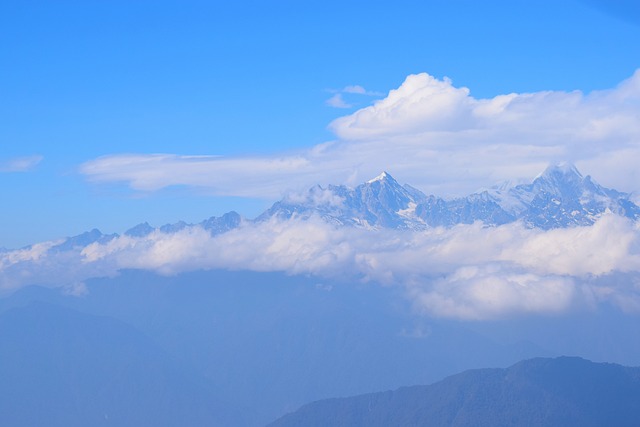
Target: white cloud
{"type": "Point", "coordinates": [428, 133]}
{"type": "Point", "coordinates": [315, 196]}
{"type": "Point", "coordinates": [422, 103]}
{"type": "Point", "coordinates": [219, 175]}
{"type": "Point", "coordinates": [489, 291]}
{"type": "Point", "coordinates": [29, 253]}
{"type": "Point", "coordinates": [359, 90]}
{"type": "Point", "coordinates": [20, 164]}
{"type": "Point", "coordinates": [355, 89]}
{"type": "Point", "coordinates": [468, 271]}
{"type": "Point", "coordinates": [337, 101]}
{"type": "Point", "coordinates": [352, 92]}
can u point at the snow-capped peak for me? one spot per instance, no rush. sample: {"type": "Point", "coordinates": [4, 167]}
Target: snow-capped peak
{"type": "Point", "coordinates": [560, 169]}
{"type": "Point", "coordinates": [382, 177]}
{"type": "Point", "coordinates": [558, 197]}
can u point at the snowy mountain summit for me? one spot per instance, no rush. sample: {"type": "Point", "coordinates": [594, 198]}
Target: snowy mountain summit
{"type": "Point", "coordinates": [378, 203]}
{"type": "Point", "coordinates": [561, 197]}
{"type": "Point", "coordinates": [558, 197]}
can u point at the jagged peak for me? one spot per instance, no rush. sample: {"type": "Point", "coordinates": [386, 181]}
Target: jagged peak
{"type": "Point", "coordinates": [384, 176]}
{"type": "Point", "coordinates": [140, 230]}
{"type": "Point", "coordinates": [231, 214]}
{"type": "Point", "coordinates": [562, 169]}
{"type": "Point", "coordinates": [93, 233]}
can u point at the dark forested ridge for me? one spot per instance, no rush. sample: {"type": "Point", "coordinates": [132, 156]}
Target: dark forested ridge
{"type": "Point", "coordinates": [565, 391]}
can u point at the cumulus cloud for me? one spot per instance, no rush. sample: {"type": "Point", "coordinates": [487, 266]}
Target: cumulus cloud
{"type": "Point", "coordinates": [429, 133]}
{"type": "Point", "coordinates": [468, 271]}
{"type": "Point", "coordinates": [422, 103]}
{"type": "Point", "coordinates": [20, 164]}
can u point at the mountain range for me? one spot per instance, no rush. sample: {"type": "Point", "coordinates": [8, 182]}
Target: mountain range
{"type": "Point", "coordinates": [559, 197]}
{"type": "Point", "coordinates": [242, 348]}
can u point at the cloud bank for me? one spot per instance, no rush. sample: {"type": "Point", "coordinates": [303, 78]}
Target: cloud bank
{"type": "Point", "coordinates": [468, 272]}
{"type": "Point", "coordinates": [428, 132]}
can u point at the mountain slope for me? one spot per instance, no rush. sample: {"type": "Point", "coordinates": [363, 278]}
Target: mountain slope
{"type": "Point", "coordinates": [380, 202]}
{"type": "Point", "coordinates": [61, 367]}
{"type": "Point", "coordinates": [559, 392]}
{"type": "Point", "coordinates": [562, 197]}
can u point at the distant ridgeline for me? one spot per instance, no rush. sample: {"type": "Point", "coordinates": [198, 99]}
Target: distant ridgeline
{"type": "Point", "coordinates": [559, 197]}
{"type": "Point", "coordinates": [562, 392]}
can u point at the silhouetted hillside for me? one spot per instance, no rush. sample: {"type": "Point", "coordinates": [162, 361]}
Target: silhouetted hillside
{"type": "Point", "coordinates": [566, 391]}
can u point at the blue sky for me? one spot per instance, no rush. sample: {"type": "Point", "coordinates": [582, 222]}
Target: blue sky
{"type": "Point", "coordinates": [84, 80]}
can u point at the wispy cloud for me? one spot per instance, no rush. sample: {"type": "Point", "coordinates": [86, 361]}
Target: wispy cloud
{"type": "Point", "coordinates": [20, 164]}
{"type": "Point", "coordinates": [469, 271]}
{"type": "Point", "coordinates": [431, 134]}
{"type": "Point", "coordinates": [353, 92]}
{"type": "Point", "coordinates": [337, 101]}
{"type": "Point", "coordinates": [219, 175]}
{"type": "Point", "coordinates": [355, 89]}
{"type": "Point", "coordinates": [359, 90]}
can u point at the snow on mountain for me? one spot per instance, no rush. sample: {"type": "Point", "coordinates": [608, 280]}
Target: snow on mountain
{"type": "Point", "coordinates": [437, 212]}
{"type": "Point", "coordinates": [384, 175]}
{"type": "Point", "coordinates": [561, 197]}
{"type": "Point", "coordinates": [558, 197]}
{"type": "Point", "coordinates": [379, 203]}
